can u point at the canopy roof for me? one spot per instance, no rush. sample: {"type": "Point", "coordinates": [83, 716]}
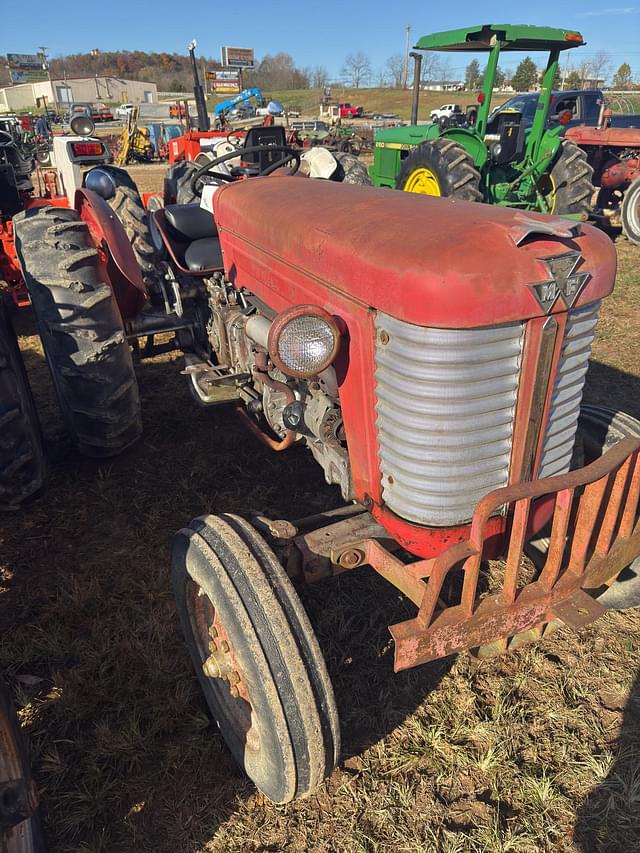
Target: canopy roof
{"type": "Point", "coordinates": [510, 36]}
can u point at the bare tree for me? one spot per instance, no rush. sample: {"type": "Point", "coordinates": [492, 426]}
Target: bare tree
{"type": "Point", "coordinates": [356, 69]}
{"type": "Point", "coordinates": [600, 65]}
{"type": "Point", "coordinates": [430, 66]}
{"type": "Point", "coordinates": [443, 71]}
{"type": "Point", "coordinates": [319, 77]}
{"type": "Point", "coordinates": [394, 66]}
{"type": "Point", "coordinates": [382, 77]}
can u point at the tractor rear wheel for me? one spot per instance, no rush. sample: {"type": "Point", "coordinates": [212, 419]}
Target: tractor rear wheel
{"type": "Point", "coordinates": [351, 170]}
{"type": "Point", "coordinates": [630, 213]}
{"type": "Point", "coordinates": [440, 167]}
{"type": "Point", "coordinates": [127, 206]}
{"type": "Point", "coordinates": [22, 458]}
{"type": "Point", "coordinates": [120, 192]}
{"type": "Point", "coordinates": [81, 330]}
{"type": "Point", "coordinates": [20, 825]}
{"type": "Point", "coordinates": [177, 184]}
{"type": "Point", "coordinates": [568, 186]}
{"type": "Point", "coordinates": [256, 656]}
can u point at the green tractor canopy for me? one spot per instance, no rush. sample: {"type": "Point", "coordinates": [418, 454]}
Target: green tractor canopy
{"type": "Point", "coordinates": [467, 156]}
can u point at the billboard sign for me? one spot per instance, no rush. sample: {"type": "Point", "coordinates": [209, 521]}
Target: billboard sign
{"type": "Point", "coordinates": [238, 57]}
{"type": "Point", "coordinates": [27, 75]}
{"type": "Point", "coordinates": [224, 82]}
{"type": "Point", "coordinates": [26, 67]}
{"type": "Point", "coordinates": [24, 60]}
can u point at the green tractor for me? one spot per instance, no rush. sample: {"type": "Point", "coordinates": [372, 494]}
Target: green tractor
{"type": "Point", "coordinates": [491, 158]}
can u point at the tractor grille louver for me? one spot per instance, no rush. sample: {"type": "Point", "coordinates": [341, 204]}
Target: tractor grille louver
{"type": "Point", "coordinates": [562, 422]}
{"type": "Point", "coordinates": [445, 411]}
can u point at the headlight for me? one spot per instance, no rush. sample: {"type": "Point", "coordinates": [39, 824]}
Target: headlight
{"type": "Point", "coordinates": [303, 340]}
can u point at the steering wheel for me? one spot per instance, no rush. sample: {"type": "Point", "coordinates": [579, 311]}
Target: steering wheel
{"type": "Point", "coordinates": [290, 154]}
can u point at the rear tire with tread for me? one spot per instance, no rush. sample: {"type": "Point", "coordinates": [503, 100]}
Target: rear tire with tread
{"type": "Point", "coordinates": [22, 458]}
{"type": "Point", "coordinates": [81, 331]}
{"type": "Point", "coordinates": [127, 206]}
{"type": "Point", "coordinates": [451, 165]}
{"type": "Point", "coordinates": [351, 170]}
{"type": "Point", "coordinates": [571, 177]}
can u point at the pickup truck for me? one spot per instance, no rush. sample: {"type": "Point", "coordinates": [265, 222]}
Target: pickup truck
{"type": "Point", "coordinates": [583, 104]}
{"type": "Point", "coordinates": [348, 111]}
{"type": "Point", "coordinates": [445, 111]}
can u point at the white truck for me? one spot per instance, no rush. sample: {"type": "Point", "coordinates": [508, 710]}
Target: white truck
{"type": "Point", "coordinates": [445, 111]}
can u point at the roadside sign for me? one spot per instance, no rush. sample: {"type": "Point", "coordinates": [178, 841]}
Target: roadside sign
{"type": "Point", "coordinates": [238, 57]}
{"type": "Point", "coordinates": [27, 75]}
{"type": "Point", "coordinates": [26, 67]}
{"type": "Point", "coordinates": [224, 81]}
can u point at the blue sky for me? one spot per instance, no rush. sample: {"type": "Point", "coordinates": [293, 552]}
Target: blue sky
{"type": "Point", "coordinates": [321, 33]}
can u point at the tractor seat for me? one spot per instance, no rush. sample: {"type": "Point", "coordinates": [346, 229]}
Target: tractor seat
{"type": "Point", "coordinates": [191, 221]}
{"type": "Point", "coordinates": [190, 234]}
{"type": "Point", "coordinates": [203, 254]}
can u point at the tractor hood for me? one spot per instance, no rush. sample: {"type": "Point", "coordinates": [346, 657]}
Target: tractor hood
{"type": "Point", "coordinates": [427, 261]}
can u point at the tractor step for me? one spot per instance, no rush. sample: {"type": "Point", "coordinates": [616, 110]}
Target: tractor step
{"type": "Point", "coordinates": [215, 386]}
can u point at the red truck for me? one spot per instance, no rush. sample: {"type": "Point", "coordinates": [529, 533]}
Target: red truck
{"type": "Point", "coordinates": [349, 111]}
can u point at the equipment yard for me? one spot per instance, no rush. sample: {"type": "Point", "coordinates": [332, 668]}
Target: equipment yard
{"type": "Point", "coordinates": [533, 751]}
{"type": "Point", "coordinates": [208, 325]}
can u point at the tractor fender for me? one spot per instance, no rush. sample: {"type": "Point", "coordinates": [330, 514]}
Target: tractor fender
{"type": "Point", "coordinates": [110, 239]}
{"type": "Point", "coordinates": [550, 144]}
{"type": "Point", "coordinates": [471, 143]}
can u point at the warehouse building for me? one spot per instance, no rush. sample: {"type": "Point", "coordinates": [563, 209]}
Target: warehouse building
{"type": "Point", "coordinates": [60, 93]}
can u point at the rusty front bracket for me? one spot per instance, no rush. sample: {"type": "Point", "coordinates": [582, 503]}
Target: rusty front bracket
{"type": "Point", "coordinates": [595, 533]}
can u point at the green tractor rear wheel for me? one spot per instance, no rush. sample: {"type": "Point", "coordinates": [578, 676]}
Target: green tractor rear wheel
{"type": "Point", "coordinates": [440, 167]}
{"type": "Point", "coordinates": [568, 186]}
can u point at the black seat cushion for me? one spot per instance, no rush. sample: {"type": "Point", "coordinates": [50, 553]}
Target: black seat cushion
{"type": "Point", "coordinates": [204, 254]}
{"type": "Point", "coordinates": [190, 221]}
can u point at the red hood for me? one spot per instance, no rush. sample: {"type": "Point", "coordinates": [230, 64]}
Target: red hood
{"type": "Point", "coordinates": [428, 261]}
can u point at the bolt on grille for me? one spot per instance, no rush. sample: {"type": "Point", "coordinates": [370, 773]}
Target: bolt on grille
{"type": "Point", "coordinates": [445, 412]}
{"type": "Point", "coordinates": [562, 422]}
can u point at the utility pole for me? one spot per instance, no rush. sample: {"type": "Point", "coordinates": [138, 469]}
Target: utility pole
{"type": "Point", "coordinates": [201, 104]}
{"type": "Point", "coordinates": [42, 50]}
{"type": "Point", "coordinates": [405, 70]}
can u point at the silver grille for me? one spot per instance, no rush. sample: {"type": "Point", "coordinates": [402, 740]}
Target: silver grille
{"type": "Point", "coordinates": [567, 392]}
{"type": "Point", "coordinates": [445, 410]}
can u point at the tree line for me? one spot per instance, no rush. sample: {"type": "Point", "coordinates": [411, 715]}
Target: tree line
{"type": "Point", "coordinates": [171, 72]}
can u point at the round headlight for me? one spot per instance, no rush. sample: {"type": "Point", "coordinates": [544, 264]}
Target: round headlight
{"type": "Point", "coordinates": [303, 340]}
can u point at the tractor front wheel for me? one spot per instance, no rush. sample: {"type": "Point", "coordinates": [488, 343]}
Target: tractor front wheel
{"type": "Point", "coordinates": [81, 330]}
{"type": "Point", "coordinates": [440, 167]}
{"type": "Point", "coordinates": [630, 213]}
{"type": "Point", "coordinates": [256, 656]}
{"type": "Point", "coordinates": [568, 186]}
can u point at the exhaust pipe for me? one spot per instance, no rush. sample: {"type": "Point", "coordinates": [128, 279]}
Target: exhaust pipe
{"type": "Point", "coordinates": [417, 68]}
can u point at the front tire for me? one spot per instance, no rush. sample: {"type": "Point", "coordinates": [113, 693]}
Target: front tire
{"type": "Point", "coordinates": [22, 458]}
{"type": "Point", "coordinates": [568, 184]}
{"type": "Point", "coordinates": [81, 330]}
{"type": "Point", "coordinates": [256, 656]}
{"type": "Point", "coordinates": [630, 212]}
{"type": "Point", "coordinates": [440, 167]}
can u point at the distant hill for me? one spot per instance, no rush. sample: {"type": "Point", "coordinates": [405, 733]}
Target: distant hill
{"type": "Point", "coordinates": [171, 72]}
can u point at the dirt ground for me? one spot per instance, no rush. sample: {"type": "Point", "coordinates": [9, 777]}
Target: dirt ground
{"type": "Point", "coordinates": [537, 751]}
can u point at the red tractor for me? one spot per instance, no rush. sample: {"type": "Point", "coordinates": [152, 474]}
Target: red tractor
{"type": "Point", "coordinates": [614, 155]}
{"type": "Point", "coordinates": [430, 354]}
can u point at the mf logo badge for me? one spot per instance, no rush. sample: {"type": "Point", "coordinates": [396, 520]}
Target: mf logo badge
{"type": "Point", "coordinates": [563, 282]}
